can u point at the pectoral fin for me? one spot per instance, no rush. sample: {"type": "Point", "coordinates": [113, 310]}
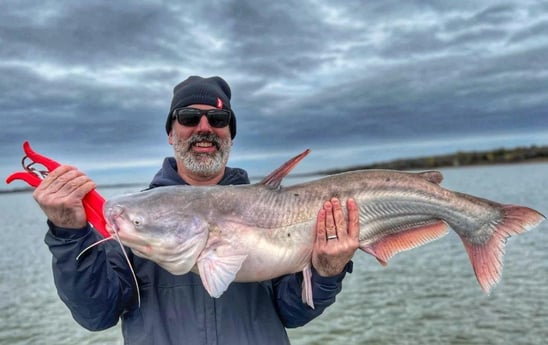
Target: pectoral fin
{"type": "Point", "coordinates": [218, 272]}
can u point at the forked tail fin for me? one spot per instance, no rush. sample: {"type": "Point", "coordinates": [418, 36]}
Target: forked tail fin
{"type": "Point", "coordinates": [486, 258]}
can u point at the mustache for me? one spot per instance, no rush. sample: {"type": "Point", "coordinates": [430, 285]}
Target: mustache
{"type": "Point", "coordinates": [214, 139]}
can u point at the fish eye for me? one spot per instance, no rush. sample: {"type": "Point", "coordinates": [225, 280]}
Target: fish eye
{"type": "Point", "coordinates": [137, 221]}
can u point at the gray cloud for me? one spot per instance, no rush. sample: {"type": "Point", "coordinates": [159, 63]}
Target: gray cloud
{"type": "Point", "coordinates": [97, 77]}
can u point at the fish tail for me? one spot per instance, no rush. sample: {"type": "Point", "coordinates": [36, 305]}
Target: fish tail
{"type": "Point", "coordinates": [486, 258]}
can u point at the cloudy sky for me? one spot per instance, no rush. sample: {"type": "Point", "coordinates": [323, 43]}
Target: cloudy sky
{"type": "Point", "coordinates": [89, 82]}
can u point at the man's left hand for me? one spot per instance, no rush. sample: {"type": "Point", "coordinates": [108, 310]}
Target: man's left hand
{"type": "Point", "coordinates": [336, 238]}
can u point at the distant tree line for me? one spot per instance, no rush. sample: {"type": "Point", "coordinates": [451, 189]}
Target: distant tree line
{"type": "Point", "coordinates": [498, 156]}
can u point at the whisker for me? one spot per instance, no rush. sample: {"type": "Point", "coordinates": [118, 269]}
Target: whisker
{"type": "Point", "coordinates": [93, 245]}
{"type": "Point", "coordinates": [117, 238]}
{"type": "Point", "coordinates": [130, 267]}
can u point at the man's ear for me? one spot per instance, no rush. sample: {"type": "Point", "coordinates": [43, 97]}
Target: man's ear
{"type": "Point", "coordinates": [170, 137]}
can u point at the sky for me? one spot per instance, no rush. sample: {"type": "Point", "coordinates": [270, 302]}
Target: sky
{"type": "Point", "coordinates": [89, 83]}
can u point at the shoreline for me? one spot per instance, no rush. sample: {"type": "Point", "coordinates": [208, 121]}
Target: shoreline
{"type": "Point", "coordinates": [518, 155]}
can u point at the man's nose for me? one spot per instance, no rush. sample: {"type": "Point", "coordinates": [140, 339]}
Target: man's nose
{"type": "Point", "coordinates": [203, 125]}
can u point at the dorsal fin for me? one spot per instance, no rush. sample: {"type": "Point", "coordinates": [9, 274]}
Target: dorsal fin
{"type": "Point", "coordinates": [275, 178]}
{"type": "Point", "coordinates": [432, 176]}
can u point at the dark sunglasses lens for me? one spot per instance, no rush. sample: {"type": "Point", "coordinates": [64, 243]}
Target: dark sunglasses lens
{"type": "Point", "coordinates": [190, 117]}
{"type": "Point", "coordinates": [218, 118]}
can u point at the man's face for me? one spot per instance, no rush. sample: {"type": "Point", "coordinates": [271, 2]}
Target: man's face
{"type": "Point", "coordinates": [202, 149]}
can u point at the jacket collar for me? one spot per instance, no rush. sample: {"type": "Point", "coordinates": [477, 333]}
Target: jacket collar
{"type": "Point", "coordinates": [168, 176]}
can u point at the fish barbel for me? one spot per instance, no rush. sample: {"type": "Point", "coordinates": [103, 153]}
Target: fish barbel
{"type": "Point", "coordinates": [262, 231]}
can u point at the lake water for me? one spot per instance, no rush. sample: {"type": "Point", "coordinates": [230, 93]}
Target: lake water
{"type": "Point", "coordinates": [425, 296]}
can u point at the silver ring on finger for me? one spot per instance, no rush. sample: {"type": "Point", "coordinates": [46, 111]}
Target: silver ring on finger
{"type": "Point", "coordinates": [332, 237]}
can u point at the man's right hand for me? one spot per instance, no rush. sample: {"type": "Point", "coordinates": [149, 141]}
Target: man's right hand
{"type": "Point", "coordinates": [60, 196]}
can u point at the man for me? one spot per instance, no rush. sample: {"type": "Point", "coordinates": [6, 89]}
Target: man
{"type": "Point", "coordinates": [99, 290]}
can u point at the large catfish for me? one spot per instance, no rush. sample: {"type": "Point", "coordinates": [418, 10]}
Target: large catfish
{"type": "Point", "coordinates": [262, 231]}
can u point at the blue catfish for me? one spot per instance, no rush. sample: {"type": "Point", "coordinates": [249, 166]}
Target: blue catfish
{"type": "Point", "coordinates": [262, 231]}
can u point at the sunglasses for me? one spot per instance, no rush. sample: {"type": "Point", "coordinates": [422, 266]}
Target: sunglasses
{"type": "Point", "coordinates": [190, 117]}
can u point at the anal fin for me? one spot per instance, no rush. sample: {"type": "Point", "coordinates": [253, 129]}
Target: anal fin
{"type": "Point", "coordinates": [415, 236]}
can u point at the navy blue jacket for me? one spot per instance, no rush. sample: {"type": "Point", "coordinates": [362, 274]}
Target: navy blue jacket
{"type": "Point", "coordinates": [99, 290]}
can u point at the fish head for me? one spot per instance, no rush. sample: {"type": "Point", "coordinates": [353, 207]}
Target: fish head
{"type": "Point", "coordinates": [156, 228]}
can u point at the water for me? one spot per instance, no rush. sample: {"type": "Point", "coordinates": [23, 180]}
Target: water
{"type": "Point", "coordinates": [425, 296]}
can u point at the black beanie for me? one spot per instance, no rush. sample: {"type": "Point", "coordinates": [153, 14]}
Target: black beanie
{"type": "Point", "coordinates": [197, 90]}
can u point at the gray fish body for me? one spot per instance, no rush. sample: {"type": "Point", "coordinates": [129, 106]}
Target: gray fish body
{"type": "Point", "coordinates": [262, 231]}
{"type": "Point", "coordinates": [276, 228]}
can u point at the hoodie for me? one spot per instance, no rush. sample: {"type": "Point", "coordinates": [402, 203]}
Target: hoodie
{"type": "Point", "coordinates": [99, 291]}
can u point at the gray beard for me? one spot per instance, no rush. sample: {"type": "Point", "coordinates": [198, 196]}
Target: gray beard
{"type": "Point", "coordinates": [202, 164]}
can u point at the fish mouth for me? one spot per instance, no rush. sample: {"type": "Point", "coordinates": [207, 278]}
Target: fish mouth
{"type": "Point", "coordinates": [113, 215]}
{"type": "Point", "coordinates": [122, 229]}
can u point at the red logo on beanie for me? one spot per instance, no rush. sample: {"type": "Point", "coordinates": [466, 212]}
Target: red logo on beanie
{"type": "Point", "coordinates": [219, 103]}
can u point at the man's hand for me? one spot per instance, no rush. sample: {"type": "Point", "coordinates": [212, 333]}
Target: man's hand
{"type": "Point", "coordinates": [60, 196]}
{"type": "Point", "coordinates": [336, 239]}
